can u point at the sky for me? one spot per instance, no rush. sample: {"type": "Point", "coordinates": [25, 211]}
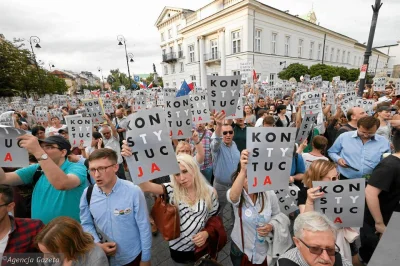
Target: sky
{"type": "Point", "coordinates": [82, 35]}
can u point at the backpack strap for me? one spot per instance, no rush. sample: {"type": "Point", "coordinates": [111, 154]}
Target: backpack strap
{"type": "Point", "coordinates": [37, 175]}
{"type": "Point", "coordinates": [89, 195]}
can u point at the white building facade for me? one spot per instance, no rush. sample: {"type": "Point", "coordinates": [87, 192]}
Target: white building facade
{"type": "Point", "coordinates": [215, 39]}
{"type": "Point", "coordinates": [393, 64]}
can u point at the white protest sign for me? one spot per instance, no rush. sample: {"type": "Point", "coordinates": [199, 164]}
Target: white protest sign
{"type": "Point", "coordinates": [11, 155]}
{"type": "Point", "coordinates": [223, 93]}
{"type": "Point", "coordinates": [396, 84]}
{"type": "Point", "coordinates": [93, 109]}
{"type": "Point", "coordinates": [179, 117]}
{"type": "Point", "coordinates": [170, 92]}
{"type": "Point", "coordinates": [152, 153]}
{"type": "Point", "coordinates": [246, 68]}
{"type": "Point", "coordinates": [306, 126]}
{"type": "Point", "coordinates": [270, 159]}
{"type": "Point", "coordinates": [311, 97]}
{"type": "Point", "coordinates": [311, 109]}
{"type": "Point", "coordinates": [287, 200]}
{"type": "Point", "coordinates": [239, 109]}
{"type": "Point", "coordinates": [367, 105]}
{"type": "Point", "coordinates": [80, 131]}
{"type": "Point", "coordinates": [56, 113]}
{"type": "Point", "coordinates": [199, 107]}
{"type": "Point", "coordinates": [343, 201]}
{"type": "Point", "coordinates": [380, 84]}
{"type": "Point", "coordinates": [7, 119]}
{"type": "Point", "coordinates": [108, 106]}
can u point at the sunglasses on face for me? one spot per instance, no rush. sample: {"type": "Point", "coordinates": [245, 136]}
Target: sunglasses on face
{"type": "Point", "coordinates": [227, 132]}
{"type": "Point", "coordinates": [318, 251]}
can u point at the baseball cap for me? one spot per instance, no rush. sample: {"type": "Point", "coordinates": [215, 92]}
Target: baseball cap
{"type": "Point", "coordinates": [61, 142]}
{"type": "Point", "coordinates": [383, 108]}
{"type": "Point", "coordinates": [63, 130]}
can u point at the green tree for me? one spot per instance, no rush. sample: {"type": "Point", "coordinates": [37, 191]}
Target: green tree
{"type": "Point", "coordinates": [116, 79]}
{"type": "Point", "coordinates": [150, 79]}
{"type": "Point", "coordinates": [294, 70]}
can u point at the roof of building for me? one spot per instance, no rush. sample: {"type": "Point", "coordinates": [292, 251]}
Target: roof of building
{"type": "Point", "coordinates": [165, 10]}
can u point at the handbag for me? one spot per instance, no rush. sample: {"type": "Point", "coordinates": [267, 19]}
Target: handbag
{"type": "Point", "coordinates": [166, 217]}
{"type": "Point", "coordinates": [245, 260]}
{"type": "Point", "coordinates": [207, 261]}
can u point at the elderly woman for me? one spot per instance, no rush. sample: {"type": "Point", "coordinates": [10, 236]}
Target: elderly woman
{"type": "Point", "coordinates": [185, 147]}
{"type": "Point", "coordinates": [257, 215]}
{"type": "Point", "coordinates": [197, 202]}
{"type": "Point", "coordinates": [323, 170]}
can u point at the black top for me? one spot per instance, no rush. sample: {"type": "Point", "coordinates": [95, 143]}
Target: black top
{"type": "Point", "coordinates": [239, 136]}
{"type": "Point", "coordinates": [331, 133]}
{"type": "Point", "coordinates": [345, 128]}
{"type": "Point", "coordinates": [258, 109]}
{"type": "Point", "coordinates": [386, 176]}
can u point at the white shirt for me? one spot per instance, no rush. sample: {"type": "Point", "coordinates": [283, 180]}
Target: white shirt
{"type": "Point", "coordinates": [309, 158]}
{"type": "Point", "coordinates": [259, 122]}
{"type": "Point", "coordinates": [290, 109]}
{"type": "Point", "coordinates": [113, 143]}
{"type": "Point", "coordinates": [3, 242]}
{"type": "Point", "coordinates": [54, 130]}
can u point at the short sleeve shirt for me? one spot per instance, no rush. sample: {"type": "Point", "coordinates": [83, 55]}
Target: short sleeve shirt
{"type": "Point", "coordinates": [48, 202]}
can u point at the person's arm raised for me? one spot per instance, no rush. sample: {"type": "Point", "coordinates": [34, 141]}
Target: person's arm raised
{"type": "Point", "coordinates": [237, 186]}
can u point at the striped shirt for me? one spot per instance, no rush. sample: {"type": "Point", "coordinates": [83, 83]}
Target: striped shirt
{"type": "Point", "coordinates": [192, 219]}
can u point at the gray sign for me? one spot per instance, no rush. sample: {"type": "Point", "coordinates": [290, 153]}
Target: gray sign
{"type": "Point", "coordinates": [199, 107]}
{"type": "Point", "coordinates": [306, 126]}
{"type": "Point", "coordinates": [287, 200]}
{"type": "Point", "coordinates": [94, 110]}
{"type": "Point", "coordinates": [108, 106]}
{"type": "Point", "coordinates": [223, 93]}
{"type": "Point", "coordinates": [387, 253]}
{"type": "Point", "coordinates": [153, 154]}
{"type": "Point", "coordinates": [239, 109]}
{"type": "Point", "coordinates": [140, 103]}
{"type": "Point", "coordinates": [80, 130]}
{"type": "Point", "coordinates": [343, 202]}
{"type": "Point", "coordinates": [270, 159]}
{"type": "Point", "coordinates": [11, 155]}
{"type": "Point", "coordinates": [179, 117]}
{"type": "Point", "coordinates": [7, 119]}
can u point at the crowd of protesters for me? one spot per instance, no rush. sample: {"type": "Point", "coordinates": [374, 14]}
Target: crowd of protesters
{"type": "Point", "coordinates": [77, 202]}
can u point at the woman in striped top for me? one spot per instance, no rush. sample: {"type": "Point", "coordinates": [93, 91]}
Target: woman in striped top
{"type": "Point", "coordinates": [196, 201]}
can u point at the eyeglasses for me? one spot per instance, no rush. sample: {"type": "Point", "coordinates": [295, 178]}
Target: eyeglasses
{"type": "Point", "coordinates": [230, 132]}
{"type": "Point", "coordinates": [318, 251]}
{"type": "Point", "coordinates": [271, 113]}
{"type": "Point", "coordinates": [5, 204]}
{"type": "Point", "coordinates": [101, 170]}
{"type": "Point", "coordinates": [50, 147]}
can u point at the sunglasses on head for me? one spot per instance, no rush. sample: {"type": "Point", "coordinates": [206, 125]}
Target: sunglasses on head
{"type": "Point", "coordinates": [226, 132]}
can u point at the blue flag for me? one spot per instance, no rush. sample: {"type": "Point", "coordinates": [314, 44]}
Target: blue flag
{"type": "Point", "coordinates": [136, 78]}
{"type": "Point", "coordinates": [184, 90]}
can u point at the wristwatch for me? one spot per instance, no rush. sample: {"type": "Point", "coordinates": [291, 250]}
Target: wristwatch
{"type": "Point", "coordinates": [44, 156]}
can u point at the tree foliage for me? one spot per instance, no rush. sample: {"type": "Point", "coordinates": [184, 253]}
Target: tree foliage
{"type": "Point", "coordinates": [19, 75]}
{"type": "Point", "coordinates": [327, 72]}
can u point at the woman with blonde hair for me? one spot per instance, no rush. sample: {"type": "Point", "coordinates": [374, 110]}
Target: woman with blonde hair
{"type": "Point", "coordinates": [197, 202]}
{"type": "Point", "coordinates": [65, 236]}
{"type": "Point", "coordinates": [322, 170]}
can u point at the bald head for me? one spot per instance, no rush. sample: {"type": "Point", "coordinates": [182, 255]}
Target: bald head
{"type": "Point", "coordinates": [355, 113]}
{"type": "Point", "coordinates": [119, 113]}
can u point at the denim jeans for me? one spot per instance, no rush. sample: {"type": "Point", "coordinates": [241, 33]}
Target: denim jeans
{"type": "Point", "coordinates": [207, 174]}
{"type": "Point", "coordinates": [236, 254]}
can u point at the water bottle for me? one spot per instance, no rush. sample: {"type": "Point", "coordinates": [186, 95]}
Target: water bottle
{"type": "Point", "coordinates": [260, 223]}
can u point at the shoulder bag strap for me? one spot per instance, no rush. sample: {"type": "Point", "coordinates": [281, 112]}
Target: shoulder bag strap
{"type": "Point", "coordinates": [241, 224]}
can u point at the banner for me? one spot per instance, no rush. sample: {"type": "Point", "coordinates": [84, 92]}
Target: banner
{"type": "Point", "coordinates": [270, 159]}
{"type": "Point", "coordinates": [11, 155]}
{"type": "Point", "coordinates": [343, 201]}
{"type": "Point", "coordinates": [306, 126]}
{"type": "Point", "coordinates": [7, 119]}
{"type": "Point", "coordinates": [287, 200]}
{"type": "Point", "coordinates": [153, 154]}
{"type": "Point", "coordinates": [179, 117]}
{"type": "Point", "coordinates": [223, 93]}
{"type": "Point", "coordinates": [93, 109]}
{"type": "Point", "coordinates": [80, 130]}
{"type": "Point", "coordinates": [199, 107]}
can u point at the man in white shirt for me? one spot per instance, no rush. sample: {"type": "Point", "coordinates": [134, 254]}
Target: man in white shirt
{"type": "Point", "coordinates": [290, 108]}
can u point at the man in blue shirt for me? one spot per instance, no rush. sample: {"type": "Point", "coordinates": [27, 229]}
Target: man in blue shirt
{"type": "Point", "coordinates": [61, 183]}
{"type": "Point", "coordinates": [226, 158]}
{"type": "Point", "coordinates": [117, 211]}
{"type": "Point", "coordinates": [358, 152]}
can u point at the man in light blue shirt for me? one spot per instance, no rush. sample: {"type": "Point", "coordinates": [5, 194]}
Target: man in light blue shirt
{"type": "Point", "coordinates": [358, 152]}
{"type": "Point", "coordinates": [118, 209]}
{"type": "Point", "coordinates": [226, 158]}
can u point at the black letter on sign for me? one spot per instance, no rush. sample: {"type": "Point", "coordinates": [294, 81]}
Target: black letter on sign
{"type": "Point", "coordinates": [354, 210]}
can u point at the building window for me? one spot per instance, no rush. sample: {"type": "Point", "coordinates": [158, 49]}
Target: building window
{"type": "Point", "coordinates": [162, 36]}
{"type": "Point", "coordinates": [355, 59]}
{"type": "Point", "coordinates": [173, 69]}
{"type": "Point", "coordinates": [236, 42]}
{"type": "Point", "coordinates": [300, 49]}
{"type": "Point", "coordinates": [338, 55]}
{"type": "Point", "coordinates": [214, 74]}
{"type": "Point", "coordinates": [319, 51]}
{"type": "Point", "coordinates": [171, 50]}
{"type": "Point", "coordinates": [182, 67]}
{"type": "Point", "coordinates": [180, 52]}
{"type": "Point", "coordinates": [332, 53]}
{"type": "Point", "coordinates": [236, 72]}
{"type": "Point", "coordinates": [191, 53]}
{"type": "Point", "coordinates": [166, 70]}
{"type": "Point", "coordinates": [164, 51]}
{"type": "Point", "coordinates": [326, 53]}
{"type": "Point", "coordinates": [169, 33]}
{"type": "Point", "coordinates": [257, 41]}
{"type": "Point", "coordinates": [178, 27]}
{"type": "Point", "coordinates": [359, 60]}
{"type": "Point", "coordinates": [348, 57]}
{"type": "Point", "coordinates": [310, 55]}
{"type": "Point", "coordinates": [287, 45]}
{"type": "Point", "coordinates": [271, 79]}
{"type": "Point", "coordinates": [273, 43]}
{"type": "Point", "coordinates": [214, 49]}
{"type": "Point", "coordinates": [174, 84]}
{"type": "Point", "coordinates": [193, 78]}
{"type": "Point", "coordinates": [344, 56]}
{"type": "Point", "coordinates": [166, 85]}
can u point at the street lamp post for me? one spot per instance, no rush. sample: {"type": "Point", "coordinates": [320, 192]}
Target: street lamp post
{"type": "Point", "coordinates": [121, 39]}
{"type": "Point", "coordinates": [101, 72]}
{"type": "Point", "coordinates": [51, 65]}
{"type": "Point", "coordinates": [36, 40]}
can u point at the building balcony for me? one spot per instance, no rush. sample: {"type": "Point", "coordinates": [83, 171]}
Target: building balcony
{"type": "Point", "coordinates": [212, 57]}
{"type": "Point", "coordinates": [169, 58]}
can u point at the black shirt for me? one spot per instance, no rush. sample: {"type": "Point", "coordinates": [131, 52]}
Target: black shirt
{"type": "Point", "coordinates": [258, 109]}
{"type": "Point", "coordinates": [302, 196]}
{"type": "Point", "coordinates": [239, 137]}
{"type": "Point", "coordinates": [345, 128]}
{"type": "Point", "coordinates": [386, 176]}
